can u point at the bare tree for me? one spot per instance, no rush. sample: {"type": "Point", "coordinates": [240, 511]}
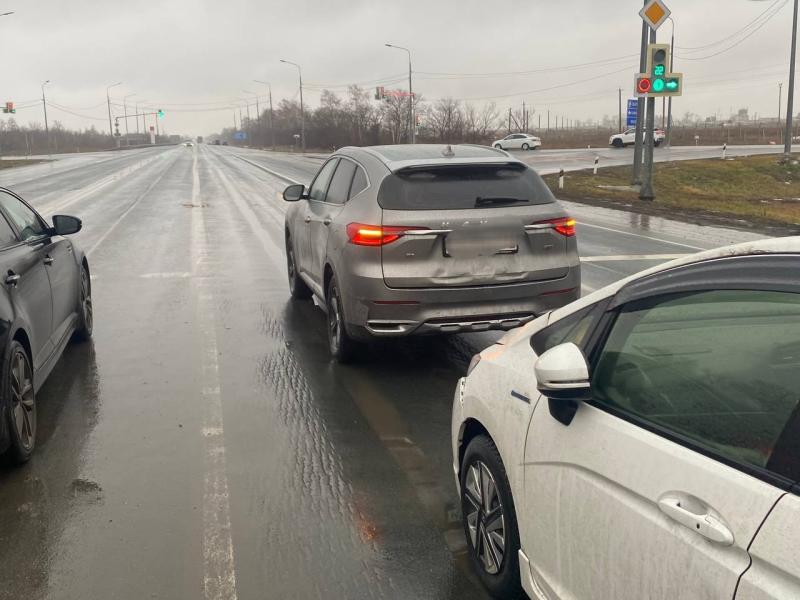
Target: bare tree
{"type": "Point", "coordinates": [447, 120]}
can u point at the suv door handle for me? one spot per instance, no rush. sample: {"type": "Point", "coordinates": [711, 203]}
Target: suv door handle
{"type": "Point", "coordinates": [693, 514]}
{"type": "Point", "coordinates": [307, 219]}
{"type": "Point", "coordinates": [327, 221]}
{"type": "Point", "coordinates": [48, 260]}
{"type": "Point", "coordinates": [12, 278]}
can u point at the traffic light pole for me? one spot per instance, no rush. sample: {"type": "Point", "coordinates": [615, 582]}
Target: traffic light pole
{"type": "Point", "coordinates": [640, 104]}
{"type": "Point", "coordinates": [787, 146]}
{"type": "Point", "coordinates": [646, 190]}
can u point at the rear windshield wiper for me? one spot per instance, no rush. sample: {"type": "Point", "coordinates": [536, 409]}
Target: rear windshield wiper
{"type": "Point", "coordinates": [499, 200]}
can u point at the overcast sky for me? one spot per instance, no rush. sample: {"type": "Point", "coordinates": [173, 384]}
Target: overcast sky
{"type": "Point", "coordinates": [188, 56]}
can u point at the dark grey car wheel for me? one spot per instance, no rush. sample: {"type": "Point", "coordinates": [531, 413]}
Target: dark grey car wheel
{"type": "Point", "coordinates": [21, 398]}
{"type": "Point", "coordinates": [618, 143]}
{"type": "Point", "coordinates": [86, 310]}
{"type": "Point", "coordinates": [489, 519]}
{"type": "Point", "coordinates": [342, 346]}
{"type": "Point", "coordinates": [297, 287]}
{"type": "Point", "coordinates": [526, 147]}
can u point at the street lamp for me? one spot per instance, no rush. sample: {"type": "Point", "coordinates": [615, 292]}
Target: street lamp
{"type": "Point", "coordinates": [271, 127]}
{"type": "Point", "coordinates": [258, 109]}
{"type": "Point", "coordinates": [411, 133]}
{"type": "Point", "coordinates": [125, 112]}
{"type": "Point", "coordinates": [5, 14]}
{"type": "Point", "coordinates": [302, 110]}
{"type": "Point", "coordinates": [44, 106]}
{"type": "Point", "coordinates": [108, 102]}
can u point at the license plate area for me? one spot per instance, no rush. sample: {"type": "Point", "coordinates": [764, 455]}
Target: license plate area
{"type": "Point", "coordinates": [480, 242]}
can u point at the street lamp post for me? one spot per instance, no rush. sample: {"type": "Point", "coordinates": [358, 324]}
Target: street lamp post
{"type": "Point", "coordinates": [302, 110]}
{"type": "Point", "coordinates": [108, 102]}
{"type": "Point", "coordinates": [125, 112]}
{"type": "Point", "coordinates": [44, 106]}
{"type": "Point", "coordinates": [271, 127]}
{"type": "Point", "coordinates": [671, 70]}
{"type": "Point", "coordinates": [258, 111]}
{"type": "Point", "coordinates": [411, 133]}
{"type": "Point", "coordinates": [787, 146]}
{"type": "Point", "coordinates": [780, 100]}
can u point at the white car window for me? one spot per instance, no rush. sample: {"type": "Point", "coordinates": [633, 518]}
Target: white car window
{"type": "Point", "coordinates": [719, 370]}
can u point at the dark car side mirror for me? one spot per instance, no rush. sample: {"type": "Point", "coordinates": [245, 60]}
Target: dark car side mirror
{"type": "Point", "coordinates": [66, 225]}
{"type": "Point", "coordinates": [294, 192]}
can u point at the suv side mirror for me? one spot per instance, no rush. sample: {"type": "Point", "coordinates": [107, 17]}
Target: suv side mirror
{"type": "Point", "coordinates": [562, 375]}
{"type": "Point", "coordinates": [294, 192]}
{"type": "Point", "coordinates": [66, 225]}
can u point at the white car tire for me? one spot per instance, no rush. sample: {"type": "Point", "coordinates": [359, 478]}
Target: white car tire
{"type": "Point", "coordinates": [498, 146]}
{"type": "Point", "coordinates": [526, 147]}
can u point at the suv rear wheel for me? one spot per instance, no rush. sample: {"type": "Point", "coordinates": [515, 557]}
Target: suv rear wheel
{"type": "Point", "coordinates": [498, 146]}
{"type": "Point", "coordinates": [526, 147]}
{"type": "Point", "coordinates": [618, 143]}
{"type": "Point", "coordinates": [341, 345]}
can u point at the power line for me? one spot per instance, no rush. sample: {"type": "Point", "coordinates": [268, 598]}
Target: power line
{"type": "Point", "coordinates": [733, 35]}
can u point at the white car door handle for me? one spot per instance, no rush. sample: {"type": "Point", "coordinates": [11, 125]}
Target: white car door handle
{"type": "Point", "coordinates": [684, 510]}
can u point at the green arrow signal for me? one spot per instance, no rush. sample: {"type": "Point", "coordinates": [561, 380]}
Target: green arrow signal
{"type": "Point", "coordinates": [672, 84]}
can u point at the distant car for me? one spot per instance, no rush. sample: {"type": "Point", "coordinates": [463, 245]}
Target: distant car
{"type": "Point", "coordinates": [518, 141]}
{"type": "Point", "coordinates": [45, 301]}
{"type": "Point", "coordinates": [627, 138]}
{"type": "Point", "coordinates": [188, 144]}
{"type": "Point", "coordinates": [423, 239]}
{"type": "Point", "coordinates": [216, 142]}
{"type": "Point", "coordinates": [224, 143]}
{"type": "Point", "coordinates": [643, 441]}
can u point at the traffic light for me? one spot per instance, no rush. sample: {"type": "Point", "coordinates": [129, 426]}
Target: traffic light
{"type": "Point", "coordinates": [657, 81]}
{"type": "Point", "coordinates": [160, 113]}
{"type": "Point", "coordinates": [9, 108]}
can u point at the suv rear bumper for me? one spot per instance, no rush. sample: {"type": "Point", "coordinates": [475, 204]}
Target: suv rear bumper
{"type": "Point", "coordinates": [378, 311]}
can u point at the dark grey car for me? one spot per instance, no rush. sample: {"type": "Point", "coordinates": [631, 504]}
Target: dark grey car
{"type": "Point", "coordinates": [413, 239]}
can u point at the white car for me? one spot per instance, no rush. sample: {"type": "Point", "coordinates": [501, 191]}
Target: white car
{"type": "Point", "coordinates": [643, 441]}
{"type": "Point", "coordinates": [628, 138]}
{"type": "Point", "coordinates": [518, 141]}
{"type": "Point", "coordinates": [188, 144]}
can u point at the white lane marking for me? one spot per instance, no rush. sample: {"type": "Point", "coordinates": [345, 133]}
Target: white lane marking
{"type": "Point", "coordinates": [639, 235]}
{"type": "Point", "coordinates": [270, 171]}
{"type": "Point", "coordinates": [167, 275]}
{"type": "Point", "coordinates": [625, 257]}
{"type": "Point", "coordinates": [275, 253]}
{"type": "Point", "coordinates": [219, 566]}
{"type": "Point", "coordinates": [111, 229]}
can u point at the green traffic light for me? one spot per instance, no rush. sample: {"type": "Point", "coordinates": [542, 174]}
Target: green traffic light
{"type": "Point", "coordinates": [658, 85]}
{"type": "Point", "coordinates": [160, 114]}
{"type": "Point", "coordinates": [672, 85]}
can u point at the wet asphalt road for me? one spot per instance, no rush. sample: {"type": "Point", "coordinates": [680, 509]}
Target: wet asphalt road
{"type": "Point", "coordinates": [203, 445]}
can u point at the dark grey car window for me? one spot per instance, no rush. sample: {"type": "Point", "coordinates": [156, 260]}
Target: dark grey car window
{"type": "Point", "coordinates": [459, 187]}
{"type": "Point", "coordinates": [719, 370]}
{"type": "Point", "coordinates": [27, 221]}
{"type": "Point", "coordinates": [575, 328]}
{"type": "Point", "coordinates": [320, 186]}
{"type": "Point", "coordinates": [359, 182]}
{"type": "Point", "coordinates": [340, 184]}
{"type": "Point", "coordinates": [7, 235]}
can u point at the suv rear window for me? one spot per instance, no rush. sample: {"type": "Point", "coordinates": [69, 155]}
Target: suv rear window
{"type": "Point", "coordinates": [460, 186]}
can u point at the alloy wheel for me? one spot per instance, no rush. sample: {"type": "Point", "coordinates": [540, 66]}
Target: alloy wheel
{"type": "Point", "coordinates": [485, 517]}
{"type": "Point", "coordinates": [86, 301]}
{"type": "Point", "coordinates": [334, 321]}
{"type": "Point", "coordinates": [23, 401]}
{"type": "Point", "coordinates": [290, 264]}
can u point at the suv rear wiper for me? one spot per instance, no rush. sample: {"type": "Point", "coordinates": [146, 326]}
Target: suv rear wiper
{"type": "Point", "coordinates": [499, 200]}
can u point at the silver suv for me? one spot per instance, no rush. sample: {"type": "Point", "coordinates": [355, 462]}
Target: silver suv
{"type": "Point", "coordinates": [413, 239]}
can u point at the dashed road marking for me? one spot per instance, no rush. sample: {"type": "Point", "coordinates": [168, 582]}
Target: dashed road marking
{"type": "Point", "coordinates": [219, 566]}
{"type": "Point", "coordinates": [627, 257]}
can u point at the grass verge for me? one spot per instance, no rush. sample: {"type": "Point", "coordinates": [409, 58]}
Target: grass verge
{"type": "Point", "coordinates": [13, 162]}
{"type": "Point", "coordinates": [752, 191]}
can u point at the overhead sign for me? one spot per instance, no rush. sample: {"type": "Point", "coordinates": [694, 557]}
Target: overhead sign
{"type": "Point", "coordinates": [655, 13]}
{"type": "Point", "coordinates": [633, 112]}
{"type": "Point", "coordinates": [240, 135]}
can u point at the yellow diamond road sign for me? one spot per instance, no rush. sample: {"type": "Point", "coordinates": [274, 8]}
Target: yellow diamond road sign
{"type": "Point", "coordinates": [654, 13]}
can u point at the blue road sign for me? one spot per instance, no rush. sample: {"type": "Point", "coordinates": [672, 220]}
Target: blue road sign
{"type": "Point", "coordinates": [633, 111]}
{"type": "Point", "coordinates": [240, 135]}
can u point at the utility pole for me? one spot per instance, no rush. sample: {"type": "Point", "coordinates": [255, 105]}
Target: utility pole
{"type": "Point", "coordinates": [125, 112]}
{"type": "Point", "coordinates": [646, 191]}
{"type": "Point", "coordinates": [524, 120]}
{"type": "Point", "coordinates": [271, 128]}
{"type": "Point", "coordinates": [412, 136]}
{"type": "Point", "coordinates": [780, 100]}
{"type": "Point", "coordinates": [620, 110]}
{"type": "Point", "coordinates": [548, 120]}
{"type": "Point", "coordinates": [302, 109]}
{"type": "Point", "coordinates": [640, 104]}
{"type": "Point", "coordinates": [44, 106]}
{"type": "Point", "coordinates": [787, 146]}
{"type": "Point", "coordinates": [108, 102]}
{"type": "Point", "coordinates": [668, 141]}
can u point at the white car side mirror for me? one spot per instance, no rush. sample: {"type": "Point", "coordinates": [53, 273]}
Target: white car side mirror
{"type": "Point", "coordinates": [562, 375]}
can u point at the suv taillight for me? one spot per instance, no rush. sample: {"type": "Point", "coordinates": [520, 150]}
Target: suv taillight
{"type": "Point", "coordinates": [361, 234]}
{"type": "Point", "coordinates": [563, 225]}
